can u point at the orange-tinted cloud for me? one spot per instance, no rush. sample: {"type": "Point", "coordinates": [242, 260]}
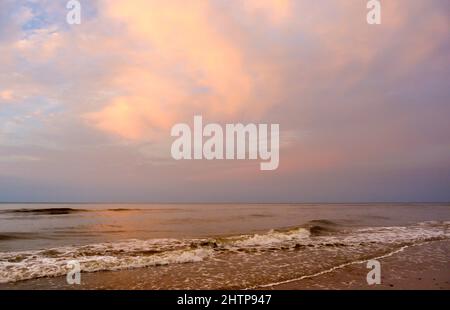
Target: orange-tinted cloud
{"type": "Point", "coordinates": [185, 64]}
{"type": "Point", "coordinates": [6, 95]}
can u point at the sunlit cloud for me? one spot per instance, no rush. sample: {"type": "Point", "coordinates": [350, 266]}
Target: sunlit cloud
{"type": "Point", "coordinates": [184, 63]}
{"type": "Point", "coordinates": [6, 95]}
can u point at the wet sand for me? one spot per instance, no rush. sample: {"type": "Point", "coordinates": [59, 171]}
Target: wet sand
{"type": "Point", "coordinates": [425, 266]}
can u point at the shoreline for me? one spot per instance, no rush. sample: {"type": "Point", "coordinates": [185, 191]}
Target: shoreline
{"type": "Point", "coordinates": [423, 266]}
{"type": "Point", "coordinates": [420, 266]}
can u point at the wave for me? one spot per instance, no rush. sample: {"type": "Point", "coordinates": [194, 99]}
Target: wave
{"type": "Point", "coordinates": [65, 211]}
{"type": "Point", "coordinates": [269, 239]}
{"type": "Point", "coordinates": [16, 236]}
{"type": "Point", "coordinates": [127, 254]}
{"type": "Point", "coordinates": [322, 227]}
{"type": "Point", "coordinates": [45, 211]}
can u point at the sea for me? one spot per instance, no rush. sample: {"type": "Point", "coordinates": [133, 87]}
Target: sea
{"type": "Point", "coordinates": [203, 246]}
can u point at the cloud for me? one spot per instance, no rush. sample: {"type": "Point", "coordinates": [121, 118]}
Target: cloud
{"type": "Point", "coordinates": [276, 11]}
{"type": "Point", "coordinates": [6, 95]}
{"type": "Point", "coordinates": [17, 158]}
{"type": "Point", "coordinates": [185, 64]}
{"type": "Point", "coordinates": [351, 98]}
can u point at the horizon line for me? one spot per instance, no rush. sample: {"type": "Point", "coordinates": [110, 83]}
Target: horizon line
{"type": "Point", "coordinates": [219, 202]}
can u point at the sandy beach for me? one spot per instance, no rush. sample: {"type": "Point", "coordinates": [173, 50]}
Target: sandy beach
{"type": "Point", "coordinates": [423, 267]}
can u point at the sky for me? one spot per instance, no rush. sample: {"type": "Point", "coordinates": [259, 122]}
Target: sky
{"type": "Point", "coordinates": [86, 110]}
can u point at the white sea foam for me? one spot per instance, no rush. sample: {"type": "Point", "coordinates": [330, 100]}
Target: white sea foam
{"type": "Point", "coordinates": [272, 238]}
{"type": "Point", "coordinates": [36, 266]}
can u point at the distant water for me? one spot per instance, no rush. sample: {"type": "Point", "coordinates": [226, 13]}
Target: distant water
{"type": "Point", "coordinates": [236, 245]}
